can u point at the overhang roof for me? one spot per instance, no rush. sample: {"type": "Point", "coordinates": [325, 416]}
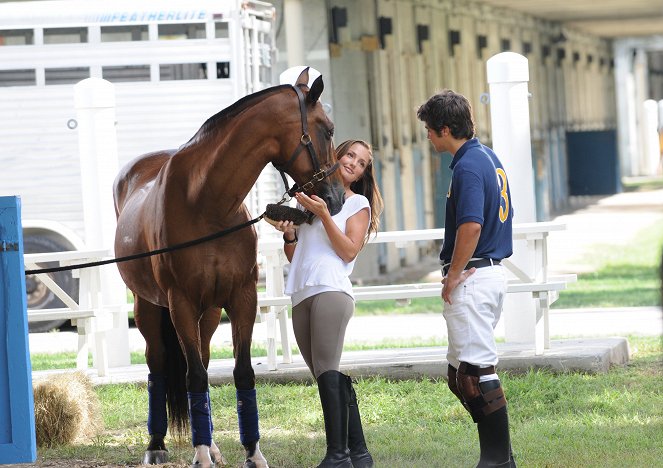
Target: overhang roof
{"type": "Point", "coordinates": [605, 18]}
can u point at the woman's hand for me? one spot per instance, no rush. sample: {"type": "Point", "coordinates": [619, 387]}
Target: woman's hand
{"type": "Point", "coordinates": [314, 204]}
{"type": "Point", "coordinates": [286, 227]}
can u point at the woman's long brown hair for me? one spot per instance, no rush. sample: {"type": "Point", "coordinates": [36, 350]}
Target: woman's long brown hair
{"type": "Point", "coordinates": [366, 186]}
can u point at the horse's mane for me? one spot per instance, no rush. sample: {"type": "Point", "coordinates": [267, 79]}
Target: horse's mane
{"type": "Point", "coordinates": [231, 111]}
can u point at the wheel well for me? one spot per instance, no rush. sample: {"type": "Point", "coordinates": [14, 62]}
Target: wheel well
{"type": "Point", "coordinates": [60, 239]}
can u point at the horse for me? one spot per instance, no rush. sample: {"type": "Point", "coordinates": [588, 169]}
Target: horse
{"type": "Point", "coordinates": [170, 197]}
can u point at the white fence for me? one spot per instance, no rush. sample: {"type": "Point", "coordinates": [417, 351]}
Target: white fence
{"type": "Point", "coordinates": [273, 304]}
{"type": "Point", "coordinates": [92, 322]}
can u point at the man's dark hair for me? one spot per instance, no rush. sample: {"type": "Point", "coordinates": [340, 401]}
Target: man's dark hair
{"type": "Point", "coordinates": [448, 109]}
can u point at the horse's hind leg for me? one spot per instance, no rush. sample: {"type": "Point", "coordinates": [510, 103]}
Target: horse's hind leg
{"type": "Point", "coordinates": [148, 320]}
{"type": "Point", "coordinates": [242, 312]}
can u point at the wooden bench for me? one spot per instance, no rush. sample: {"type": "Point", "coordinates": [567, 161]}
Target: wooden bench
{"type": "Point", "coordinates": [84, 311]}
{"type": "Point", "coordinates": [273, 304]}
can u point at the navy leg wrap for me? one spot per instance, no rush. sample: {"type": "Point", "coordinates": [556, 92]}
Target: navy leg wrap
{"type": "Point", "coordinates": [209, 404]}
{"type": "Point", "coordinates": [201, 417]}
{"type": "Point", "coordinates": [247, 416]}
{"type": "Point", "coordinates": [157, 418]}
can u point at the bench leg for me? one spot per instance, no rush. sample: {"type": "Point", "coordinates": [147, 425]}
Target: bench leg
{"type": "Point", "coordinates": [101, 353]}
{"type": "Point", "coordinates": [285, 337]}
{"type": "Point", "coordinates": [271, 338]}
{"type": "Point", "coordinates": [82, 328]}
{"type": "Point", "coordinates": [541, 332]}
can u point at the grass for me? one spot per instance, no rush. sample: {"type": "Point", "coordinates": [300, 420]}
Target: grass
{"type": "Point", "coordinates": [627, 276]}
{"type": "Point", "coordinates": [642, 184]}
{"type": "Point", "coordinates": [557, 420]}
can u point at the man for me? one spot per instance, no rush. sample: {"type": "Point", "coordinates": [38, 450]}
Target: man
{"type": "Point", "coordinates": [478, 235]}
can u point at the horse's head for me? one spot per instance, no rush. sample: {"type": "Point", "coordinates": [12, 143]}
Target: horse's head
{"type": "Point", "coordinates": [312, 162]}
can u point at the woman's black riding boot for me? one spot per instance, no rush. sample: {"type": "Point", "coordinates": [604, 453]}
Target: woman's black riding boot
{"type": "Point", "coordinates": [361, 458]}
{"type": "Point", "coordinates": [333, 389]}
{"type": "Point", "coordinates": [494, 435]}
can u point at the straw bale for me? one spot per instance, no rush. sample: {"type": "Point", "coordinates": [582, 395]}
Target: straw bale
{"type": "Point", "coordinates": [67, 410]}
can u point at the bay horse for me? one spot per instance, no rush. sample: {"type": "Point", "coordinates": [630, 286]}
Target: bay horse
{"type": "Point", "coordinates": [170, 197]}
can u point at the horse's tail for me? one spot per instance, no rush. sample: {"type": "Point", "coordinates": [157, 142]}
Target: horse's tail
{"type": "Point", "coordinates": [178, 403]}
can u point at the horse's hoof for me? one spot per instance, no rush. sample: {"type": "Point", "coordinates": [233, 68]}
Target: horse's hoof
{"type": "Point", "coordinates": [249, 464]}
{"type": "Point", "coordinates": [221, 461]}
{"type": "Point", "coordinates": [155, 457]}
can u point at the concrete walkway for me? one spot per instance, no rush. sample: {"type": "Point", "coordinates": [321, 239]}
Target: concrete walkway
{"type": "Point", "coordinates": [583, 339]}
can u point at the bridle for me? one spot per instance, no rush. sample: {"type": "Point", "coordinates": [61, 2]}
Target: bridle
{"type": "Point", "coordinates": [304, 142]}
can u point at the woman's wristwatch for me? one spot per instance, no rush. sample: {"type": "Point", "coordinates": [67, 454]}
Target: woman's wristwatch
{"type": "Point", "coordinates": [290, 241]}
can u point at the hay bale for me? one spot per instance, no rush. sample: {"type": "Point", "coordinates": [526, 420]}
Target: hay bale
{"type": "Point", "coordinates": [67, 410]}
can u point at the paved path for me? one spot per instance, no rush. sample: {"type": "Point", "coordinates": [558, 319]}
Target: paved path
{"type": "Point", "coordinates": [564, 323]}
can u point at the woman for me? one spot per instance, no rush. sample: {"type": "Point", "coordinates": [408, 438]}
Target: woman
{"type": "Point", "coordinates": [322, 255]}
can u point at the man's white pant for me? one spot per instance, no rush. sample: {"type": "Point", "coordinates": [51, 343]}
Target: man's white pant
{"type": "Point", "coordinates": [471, 318]}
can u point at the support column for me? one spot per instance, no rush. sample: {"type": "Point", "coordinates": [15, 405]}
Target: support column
{"type": "Point", "coordinates": [94, 100]}
{"type": "Point", "coordinates": [294, 32]}
{"type": "Point", "coordinates": [508, 75]}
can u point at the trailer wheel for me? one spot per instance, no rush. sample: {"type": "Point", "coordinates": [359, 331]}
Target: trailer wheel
{"type": "Point", "coordinates": [38, 295]}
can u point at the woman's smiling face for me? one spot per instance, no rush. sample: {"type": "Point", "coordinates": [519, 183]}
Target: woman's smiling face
{"type": "Point", "coordinates": [354, 163]}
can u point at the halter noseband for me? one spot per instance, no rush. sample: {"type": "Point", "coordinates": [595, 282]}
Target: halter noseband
{"type": "Point", "coordinates": [304, 142]}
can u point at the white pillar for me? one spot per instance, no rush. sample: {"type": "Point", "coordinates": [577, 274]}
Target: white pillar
{"type": "Point", "coordinates": [508, 75]}
{"type": "Point", "coordinates": [651, 148]}
{"type": "Point", "coordinates": [94, 100]}
{"type": "Point", "coordinates": [294, 32]}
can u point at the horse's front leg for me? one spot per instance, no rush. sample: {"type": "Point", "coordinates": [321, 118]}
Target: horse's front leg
{"type": "Point", "coordinates": [185, 317]}
{"type": "Point", "coordinates": [242, 312]}
{"type": "Point", "coordinates": [208, 325]}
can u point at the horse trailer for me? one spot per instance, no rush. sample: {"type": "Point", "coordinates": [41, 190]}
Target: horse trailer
{"type": "Point", "coordinates": [172, 63]}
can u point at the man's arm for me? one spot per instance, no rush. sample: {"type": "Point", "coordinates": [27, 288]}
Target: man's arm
{"type": "Point", "coordinates": [467, 238]}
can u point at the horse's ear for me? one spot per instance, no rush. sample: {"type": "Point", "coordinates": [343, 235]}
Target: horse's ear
{"type": "Point", "coordinates": [303, 78]}
{"type": "Point", "coordinates": [316, 90]}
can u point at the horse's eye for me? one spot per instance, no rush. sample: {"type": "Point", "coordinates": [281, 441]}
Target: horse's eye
{"type": "Point", "coordinates": [330, 133]}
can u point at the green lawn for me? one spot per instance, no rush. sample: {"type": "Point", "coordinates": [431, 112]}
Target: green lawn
{"type": "Point", "coordinates": [627, 276]}
{"type": "Point", "coordinates": [557, 420]}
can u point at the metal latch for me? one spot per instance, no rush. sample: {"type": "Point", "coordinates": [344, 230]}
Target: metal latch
{"type": "Point", "coordinates": [8, 246]}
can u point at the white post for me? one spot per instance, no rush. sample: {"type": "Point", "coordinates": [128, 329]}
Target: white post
{"type": "Point", "coordinates": [294, 32]}
{"type": "Point", "coordinates": [508, 75]}
{"type": "Point", "coordinates": [651, 145]}
{"type": "Point", "coordinates": [94, 100]}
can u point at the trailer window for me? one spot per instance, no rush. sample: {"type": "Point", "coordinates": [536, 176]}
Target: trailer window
{"type": "Point", "coordinates": [72, 75]}
{"type": "Point", "coordinates": [65, 35]}
{"type": "Point", "coordinates": [10, 37]}
{"type": "Point", "coordinates": [182, 71]}
{"type": "Point", "coordinates": [26, 77]}
{"type": "Point", "coordinates": [126, 73]}
{"type": "Point", "coordinates": [182, 31]}
{"type": "Point", "coordinates": [221, 30]}
{"type": "Point", "coordinates": [132, 33]}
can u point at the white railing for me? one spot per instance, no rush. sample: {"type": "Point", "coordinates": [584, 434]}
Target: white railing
{"type": "Point", "coordinates": [87, 313]}
{"type": "Point", "coordinates": [273, 304]}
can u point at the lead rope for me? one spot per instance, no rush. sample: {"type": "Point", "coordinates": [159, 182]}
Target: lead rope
{"type": "Point", "coordinates": [151, 253]}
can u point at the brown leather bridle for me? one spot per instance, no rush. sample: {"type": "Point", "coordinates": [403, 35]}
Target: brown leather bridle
{"type": "Point", "coordinates": [319, 174]}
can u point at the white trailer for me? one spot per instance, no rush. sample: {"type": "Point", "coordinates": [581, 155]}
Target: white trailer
{"type": "Point", "coordinates": [173, 64]}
